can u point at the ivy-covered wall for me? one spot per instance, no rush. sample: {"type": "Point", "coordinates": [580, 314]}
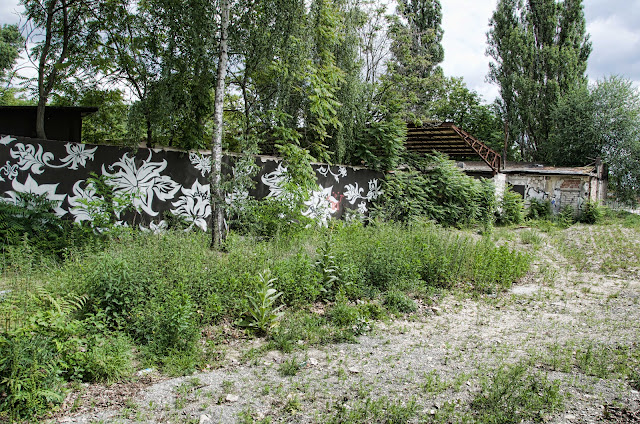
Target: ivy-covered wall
{"type": "Point", "coordinates": [161, 180]}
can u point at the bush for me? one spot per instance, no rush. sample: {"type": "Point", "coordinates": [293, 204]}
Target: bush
{"type": "Point", "coordinates": [30, 374]}
{"type": "Point", "coordinates": [511, 208]}
{"type": "Point", "coordinates": [515, 395]}
{"type": "Point", "coordinates": [566, 217]}
{"type": "Point", "coordinates": [590, 213]}
{"type": "Point", "coordinates": [32, 220]}
{"type": "Point", "coordinates": [539, 209]}
{"type": "Point", "coordinates": [397, 301]}
{"type": "Point", "coordinates": [435, 188]}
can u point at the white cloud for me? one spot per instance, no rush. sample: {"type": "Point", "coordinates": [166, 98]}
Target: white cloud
{"type": "Point", "coordinates": [616, 49]}
{"type": "Point", "coordinates": [465, 26]}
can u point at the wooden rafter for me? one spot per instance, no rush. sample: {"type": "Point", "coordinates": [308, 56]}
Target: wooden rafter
{"type": "Point", "coordinates": [451, 140]}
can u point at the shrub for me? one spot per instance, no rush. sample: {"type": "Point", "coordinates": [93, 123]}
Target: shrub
{"type": "Point", "coordinates": [590, 213]}
{"type": "Point", "coordinates": [539, 209]}
{"type": "Point", "coordinates": [397, 301]}
{"type": "Point", "coordinates": [435, 188]}
{"type": "Point", "coordinates": [511, 208]}
{"type": "Point", "coordinates": [30, 374]}
{"type": "Point", "coordinates": [297, 279]}
{"type": "Point", "coordinates": [567, 216]}
{"type": "Point", "coordinates": [167, 322]}
{"type": "Point", "coordinates": [32, 220]}
{"type": "Point", "coordinates": [514, 395]}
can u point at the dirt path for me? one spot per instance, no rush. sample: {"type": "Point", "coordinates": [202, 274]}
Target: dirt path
{"type": "Point", "coordinates": [568, 319]}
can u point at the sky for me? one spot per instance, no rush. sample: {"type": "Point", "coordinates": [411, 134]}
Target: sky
{"type": "Point", "coordinates": [613, 25]}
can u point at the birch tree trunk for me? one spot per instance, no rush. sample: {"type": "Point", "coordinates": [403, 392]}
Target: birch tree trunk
{"type": "Point", "coordinates": [217, 199]}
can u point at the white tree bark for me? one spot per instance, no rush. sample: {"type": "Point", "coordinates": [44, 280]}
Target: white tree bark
{"type": "Point", "coordinates": [217, 198]}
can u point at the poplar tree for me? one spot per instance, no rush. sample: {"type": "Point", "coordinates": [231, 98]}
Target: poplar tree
{"type": "Point", "coordinates": [540, 50]}
{"type": "Point", "coordinates": [416, 37]}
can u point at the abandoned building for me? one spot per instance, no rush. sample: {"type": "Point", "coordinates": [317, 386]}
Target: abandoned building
{"type": "Point", "coordinates": [561, 186]}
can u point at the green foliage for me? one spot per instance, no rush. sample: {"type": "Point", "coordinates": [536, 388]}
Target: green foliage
{"type": "Point", "coordinates": [566, 217]}
{"type": "Point", "coordinates": [399, 302]}
{"type": "Point", "coordinates": [370, 410]}
{"type": "Point", "coordinates": [262, 314]}
{"type": "Point", "coordinates": [539, 51]}
{"type": "Point", "coordinates": [329, 271]}
{"type": "Point", "coordinates": [30, 375]}
{"type": "Point", "coordinates": [514, 394]}
{"type": "Point", "coordinates": [590, 213]}
{"type": "Point", "coordinates": [11, 42]}
{"type": "Point", "coordinates": [380, 144]}
{"type": "Point", "coordinates": [539, 209]}
{"type": "Point", "coordinates": [106, 207]}
{"type": "Point", "coordinates": [32, 220]}
{"type": "Point", "coordinates": [48, 345]}
{"type": "Point", "coordinates": [600, 121]}
{"type": "Point", "coordinates": [511, 211]}
{"type": "Point", "coordinates": [167, 323]}
{"type": "Point", "coordinates": [290, 367]}
{"type": "Point", "coordinates": [435, 188]}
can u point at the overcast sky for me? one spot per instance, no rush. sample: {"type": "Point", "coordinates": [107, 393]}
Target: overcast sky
{"type": "Point", "coordinates": [614, 26]}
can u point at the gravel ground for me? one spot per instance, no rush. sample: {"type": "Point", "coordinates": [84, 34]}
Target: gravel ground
{"type": "Point", "coordinates": [438, 355]}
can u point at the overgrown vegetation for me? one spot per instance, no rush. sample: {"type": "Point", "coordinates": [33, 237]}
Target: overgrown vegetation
{"type": "Point", "coordinates": [78, 318]}
{"type": "Point", "coordinates": [87, 309]}
{"type": "Point", "coordinates": [433, 187]}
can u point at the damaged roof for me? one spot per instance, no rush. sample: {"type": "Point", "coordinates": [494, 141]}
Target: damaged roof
{"type": "Point", "coordinates": [447, 138]}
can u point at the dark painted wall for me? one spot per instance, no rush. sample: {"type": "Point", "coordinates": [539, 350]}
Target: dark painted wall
{"type": "Point", "coordinates": [161, 180]}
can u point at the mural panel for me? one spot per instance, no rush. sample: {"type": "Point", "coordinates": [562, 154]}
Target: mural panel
{"type": "Point", "coordinates": [159, 181]}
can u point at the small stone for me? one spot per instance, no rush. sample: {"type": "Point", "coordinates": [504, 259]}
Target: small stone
{"type": "Point", "coordinates": [634, 392]}
{"type": "Point", "coordinates": [432, 412]}
{"type": "Point", "coordinates": [468, 383]}
{"type": "Point", "coordinates": [313, 362]}
{"type": "Point", "coordinates": [205, 419]}
{"type": "Point", "coordinates": [570, 417]}
{"type": "Point", "coordinates": [232, 398]}
{"type": "Point", "coordinates": [354, 370]}
{"type": "Point", "coordinates": [436, 310]}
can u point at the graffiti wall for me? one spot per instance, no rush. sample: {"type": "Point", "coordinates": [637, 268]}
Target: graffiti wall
{"type": "Point", "coordinates": [559, 190]}
{"type": "Point", "coordinates": [162, 180]}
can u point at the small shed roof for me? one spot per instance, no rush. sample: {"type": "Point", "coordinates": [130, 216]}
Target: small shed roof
{"type": "Point", "coordinates": [447, 138]}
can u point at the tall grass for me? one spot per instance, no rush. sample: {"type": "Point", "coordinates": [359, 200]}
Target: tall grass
{"type": "Point", "coordinates": [159, 291]}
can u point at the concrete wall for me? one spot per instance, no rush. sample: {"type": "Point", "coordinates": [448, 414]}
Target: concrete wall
{"type": "Point", "coordinates": [560, 190]}
{"type": "Point", "coordinates": [163, 180]}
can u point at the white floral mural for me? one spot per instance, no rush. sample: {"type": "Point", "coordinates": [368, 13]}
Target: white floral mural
{"type": "Point", "coordinates": [144, 182]}
{"type": "Point", "coordinates": [31, 186]}
{"type": "Point", "coordinates": [194, 205]}
{"type": "Point", "coordinates": [160, 181]}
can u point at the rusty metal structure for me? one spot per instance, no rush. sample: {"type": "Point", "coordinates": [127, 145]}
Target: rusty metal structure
{"type": "Point", "coordinates": [447, 138]}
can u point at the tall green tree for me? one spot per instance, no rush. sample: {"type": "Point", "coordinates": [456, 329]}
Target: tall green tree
{"type": "Point", "coordinates": [64, 33]}
{"type": "Point", "coordinates": [539, 50]}
{"type": "Point", "coordinates": [11, 42]}
{"type": "Point", "coordinates": [414, 72]}
{"type": "Point", "coordinates": [601, 121]}
{"type": "Point", "coordinates": [456, 103]}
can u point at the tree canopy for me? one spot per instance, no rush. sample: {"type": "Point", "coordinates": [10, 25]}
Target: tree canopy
{"type": "Point", "coordinates": [600, 121]}
{"type": "Point", "coordinates": [539, 50]}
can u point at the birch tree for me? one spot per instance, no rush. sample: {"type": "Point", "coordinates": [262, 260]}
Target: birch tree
{"type": "Point", "coordinates": [217, 196]}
